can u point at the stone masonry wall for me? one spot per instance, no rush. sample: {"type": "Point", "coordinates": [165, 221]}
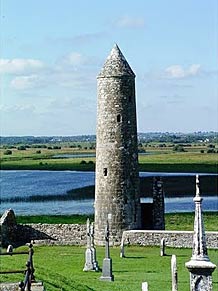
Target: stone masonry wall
{"type": "Point", "coordinates": [179, 239]}
{"type": "Point", "coordinates": [55, 234]}
{"type": "Point", "coordinates": [75, 234]}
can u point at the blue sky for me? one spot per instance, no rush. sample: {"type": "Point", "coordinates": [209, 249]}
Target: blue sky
{"type": "Point", "coordinates": [52, 51]}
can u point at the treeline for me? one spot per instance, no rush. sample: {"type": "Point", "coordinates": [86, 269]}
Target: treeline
{"type": "Point", "coordinates": [160, 137]}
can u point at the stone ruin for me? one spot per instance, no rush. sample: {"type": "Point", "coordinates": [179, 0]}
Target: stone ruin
{"type": "Point", "coordinates": [8, 227]}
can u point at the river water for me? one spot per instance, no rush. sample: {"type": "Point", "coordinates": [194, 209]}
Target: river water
{"type": "Point", "coordinates": [40, 183]}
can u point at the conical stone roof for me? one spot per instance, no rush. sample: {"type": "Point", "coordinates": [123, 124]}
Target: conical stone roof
{"type": "Point", "coordinates": [116, 65]}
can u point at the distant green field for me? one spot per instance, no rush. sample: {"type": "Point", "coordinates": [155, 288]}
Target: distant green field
{"type": "Point", "coordinates": [156, 159]}
{"type": "Point", "coordinates": [61, 268]}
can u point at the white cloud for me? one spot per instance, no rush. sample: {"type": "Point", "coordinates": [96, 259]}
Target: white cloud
{"type": "Point", "coordinates": [73, 59]}
{"type": "Point", "coordinates": [178, 72]}
{"type": "Point", "coordinates": [194, 69]}
{"type": "Point", "coordinates": [25, 82]}
{"type": "Point", "coordinates": [20, 66]}
{"type": "Point", "coordinates": [130, 22]}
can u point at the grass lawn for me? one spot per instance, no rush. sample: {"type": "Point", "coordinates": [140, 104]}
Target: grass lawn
{"type": "Point", "coordinates": [60, 268]}
{"type": "Point", "coordinates": [173, 221]}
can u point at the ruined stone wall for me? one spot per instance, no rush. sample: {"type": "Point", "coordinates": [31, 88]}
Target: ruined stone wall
{"type": "Point", "coordinates": [55, 234]}
{"type": "Point", "coordinates": [75, 234]}
{"type": "Point", "coordinates": [179, 239]}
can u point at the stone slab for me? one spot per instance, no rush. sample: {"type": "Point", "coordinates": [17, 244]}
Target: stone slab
{"type": "Point", "coordinates": [15, 287]}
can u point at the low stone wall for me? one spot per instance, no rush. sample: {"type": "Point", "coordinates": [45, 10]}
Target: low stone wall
{"type": "Point", "coordinates": [178, 239]}
{"type": "Point", "coordinates": [75, 234]}
{"type": "Point", "coordinates": [56, 234]}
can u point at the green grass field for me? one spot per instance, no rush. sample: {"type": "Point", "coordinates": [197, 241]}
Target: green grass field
{"type": "Point", "coordinates": [61, 268]}
{"type": "Point", "coordinates": [158, 160]}
{"type": "Point", "coordinates": [173, 221]}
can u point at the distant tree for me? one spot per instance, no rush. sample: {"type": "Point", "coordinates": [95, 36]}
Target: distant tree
{"type": "Point", "coordinates": [211, 146]}
{"type": "Point", "coordinates": [201, 151]}
{"type": "Point", "coordinates": [7, 152]}
{"type": "Point", "coordinates": [178, 148]}
{"type": "Point", "coordinates": [49, 148]}
{"type": "Point", "coordinates": [82, 162]}
{"type": "Point", "coordinates": [21, 148]}
{"type": "Point", "coordinates": [38, 152]}
{"type": "Point", "coordinates": [90, 162]}
{"type": "Point", "coordinates": [211, 151]}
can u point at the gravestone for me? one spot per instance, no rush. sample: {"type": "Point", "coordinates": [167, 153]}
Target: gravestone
{"type": "Point", "coordinates": [93, 249]}
{"type": "Point", "coordinates": [199, 266]}
{"type": "Point", "coordinates": [88, 254]}
{"type": "Point", "coordinates": [122, 255]}
{"type": "Point", "coordinates": [144, 286]}
{"type": "Point", "coordinates": [174, 273]}
{"type": "Point", "coordinates": [162, 247]}
{"type": "Point", "coordinates": [107, 262]}
{"type": "Point", "coordinates": [158, 204]}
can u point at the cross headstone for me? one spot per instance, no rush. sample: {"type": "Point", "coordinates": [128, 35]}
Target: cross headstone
{"type": "Point", "coordinates": [174, 273]}
{"type": "Point", "coordinates": [107, 262]}
{"type": "Point", "coordinates": [88, 254]}
{"type": "Point", "coordinates": [199, 266]}
{"type": "Point", "coordinates": [93, 249]}
{"type": "Point", "coordinates": [162, 247]}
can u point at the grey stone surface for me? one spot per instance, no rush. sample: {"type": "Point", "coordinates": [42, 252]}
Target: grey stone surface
{"type": "Point", "coordinates": [75, 234]}
{"type": "Point", "coordinates": [8, 226]}
{"type": "Point", "coordinates": [199, 266]}
{"type": "Point", "coordinates": [107, 262]}
{"type": "Point", "coordinates": [88, 260]}
{"type": "Point", "coordinates": [162, 247]}
{"type": "Point", "coordinates": [144, 286]}
{"type": "Point", "coordinates": [56, 234]}
{"type": "Point", "coordinates": [117, 177]}
{"type": "Point", "coordinates": [15, 287]}
{"type": "Point", "coordinates": [158, 204]}
{"type": "Point", "coordinates": [174, 273]}
{"type": "Point", "coordinates": [91, 263]}
{"type": "Point", "coordinates": [93, 249]}
{"type": "Point", "coordinates": [107, 270]}
{"type": "Point", "coordinates": [178, 239]}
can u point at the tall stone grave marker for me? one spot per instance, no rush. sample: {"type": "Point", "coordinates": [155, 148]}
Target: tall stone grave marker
{"type": "Point", "coordinates": [107, 262]}
{"type": "Point", "coordinates": [88, 254]}
{"type": "Point", "coordinates": [199, 266]}
{"type": "Point", "coordinates": [93, 249]}
{"type": "Point", "coordinates": [158, 204]}
{"type": "Point", "coordinates": [174, 273]}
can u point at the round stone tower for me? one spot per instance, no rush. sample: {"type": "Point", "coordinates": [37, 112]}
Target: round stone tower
{"type": "Point", "coordinates": [117, 177]}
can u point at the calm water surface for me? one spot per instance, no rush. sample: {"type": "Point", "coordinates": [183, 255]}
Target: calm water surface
{"type": "Point", "coordinates": [27, 183]}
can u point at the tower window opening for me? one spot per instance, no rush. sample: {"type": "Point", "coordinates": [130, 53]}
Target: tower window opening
{"type": "Point", "coordinates": [105, 172]}
{"type": "Point", "coordinates": [118, 118]}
